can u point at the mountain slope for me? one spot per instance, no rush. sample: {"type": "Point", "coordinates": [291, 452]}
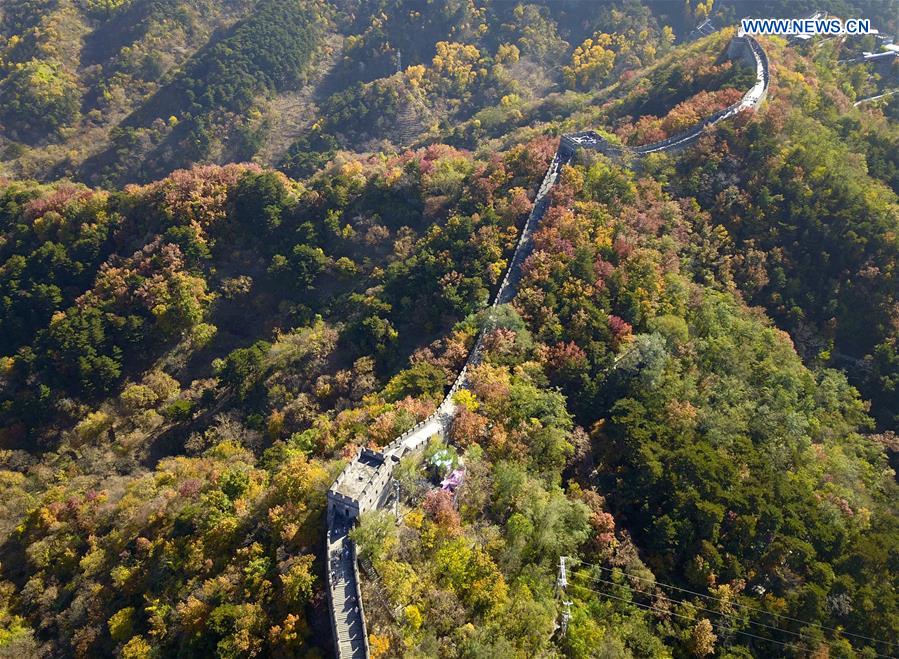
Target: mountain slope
{"type": "Point", "coordinates": [188, 362]}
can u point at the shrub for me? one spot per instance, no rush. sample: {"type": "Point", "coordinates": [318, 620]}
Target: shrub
{"type": "Point", "coordinates": [121, 624]}
{"type": "Point", "coordinates": [93, 425]}
{"type": "Point", "coordinates": [137, 397]}
{"type": "Point", "coordinates": [40, 98]}
{"type": "Point", "coordinates": [181, 410]}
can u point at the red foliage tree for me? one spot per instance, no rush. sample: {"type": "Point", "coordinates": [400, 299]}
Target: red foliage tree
{"type": "Point", "coordinates": [438, 504]}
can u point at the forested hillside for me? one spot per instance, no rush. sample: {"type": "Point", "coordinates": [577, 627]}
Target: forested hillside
{"type": "Point", "coordinates": [241, 240]}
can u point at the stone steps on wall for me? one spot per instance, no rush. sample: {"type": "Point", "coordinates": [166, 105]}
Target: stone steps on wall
{"type": "Point", "coordinates": [345, 598]}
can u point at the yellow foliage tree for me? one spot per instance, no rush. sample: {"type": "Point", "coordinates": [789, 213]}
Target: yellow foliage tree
{"type": "Point", "coordinates": [121, 624]}
{"type": "Point", "coordinates": [93, 425]}
{"type": "Point", "coordinates": [415, 75]}
{"type": "Point", "coordinates": [379, 646]}
{"type": "Point", "coordinates": [299, 580]}
{"type": "Point", "coordinates": [137, 648]}
{"type": "Point", "coordinates": [507, 54]}
{"type": "Point", "coordinates": [456, 64]}
{"type": "Point", "coordinates": [591, 62]}
{"type": "Point", "coordinates": [466, 399]}
{"type": "Point", "coordinates": [413, 617]}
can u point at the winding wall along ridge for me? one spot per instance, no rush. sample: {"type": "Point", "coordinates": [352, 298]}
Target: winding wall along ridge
{"type": "Point", "coordinates": [347, 614]}
{"type": "Point", "coordinates": [742, 45]}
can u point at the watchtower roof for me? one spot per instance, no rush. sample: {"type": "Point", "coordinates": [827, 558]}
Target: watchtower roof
{"type": "Point", "coordinates": [359, 474]}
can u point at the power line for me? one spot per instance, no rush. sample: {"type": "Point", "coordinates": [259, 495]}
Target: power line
{"type": "Point", "coordinates": [681, 615]}
{"type": "Point", "coordinates": [743, 606]}
{"type": "Point", "coordinates": [677, 601]}
{"type": "Point", "coordinates": [720, 613]}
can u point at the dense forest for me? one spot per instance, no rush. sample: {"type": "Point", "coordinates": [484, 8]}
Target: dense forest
{"type": "Point", "coordinates": [241, 240]}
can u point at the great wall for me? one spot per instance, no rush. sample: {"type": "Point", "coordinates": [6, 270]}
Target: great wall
{"type": "Point", "coordinates": [365, 482]}
{"type": "Point", "coordinates": [741, 47]}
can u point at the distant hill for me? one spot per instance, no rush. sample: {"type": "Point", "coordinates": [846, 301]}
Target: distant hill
{"type": "Point", "coordinates": [124, 91]}
{"type": "Point", "coordinates": [692, 397]}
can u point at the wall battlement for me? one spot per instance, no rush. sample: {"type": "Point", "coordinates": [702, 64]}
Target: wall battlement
{"type": "Point", "coordinates": [345, 503]}
{"type": "Point", "coordinates": [743, 47]}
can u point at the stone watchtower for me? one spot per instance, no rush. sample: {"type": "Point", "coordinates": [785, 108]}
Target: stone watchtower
{"type": "Point", "coordinates": [362, 486]}
{"type": "Point", "coordinates": [739, 49]}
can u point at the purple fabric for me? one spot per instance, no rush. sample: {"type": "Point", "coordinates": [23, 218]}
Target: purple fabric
{"type": "Point", "coordinates": [453, 481]}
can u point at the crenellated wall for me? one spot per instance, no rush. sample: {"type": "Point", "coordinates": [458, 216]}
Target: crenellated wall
{"type": "Point", "coordinates": [742, 47]}
{"type": "Point", "coordinates": [344, 509]}
{"type": "Point", "coordinates": [376, 489]}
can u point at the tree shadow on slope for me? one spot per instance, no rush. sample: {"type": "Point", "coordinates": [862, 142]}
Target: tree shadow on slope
{"type": "Point", "coordinates": [182, 122]}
